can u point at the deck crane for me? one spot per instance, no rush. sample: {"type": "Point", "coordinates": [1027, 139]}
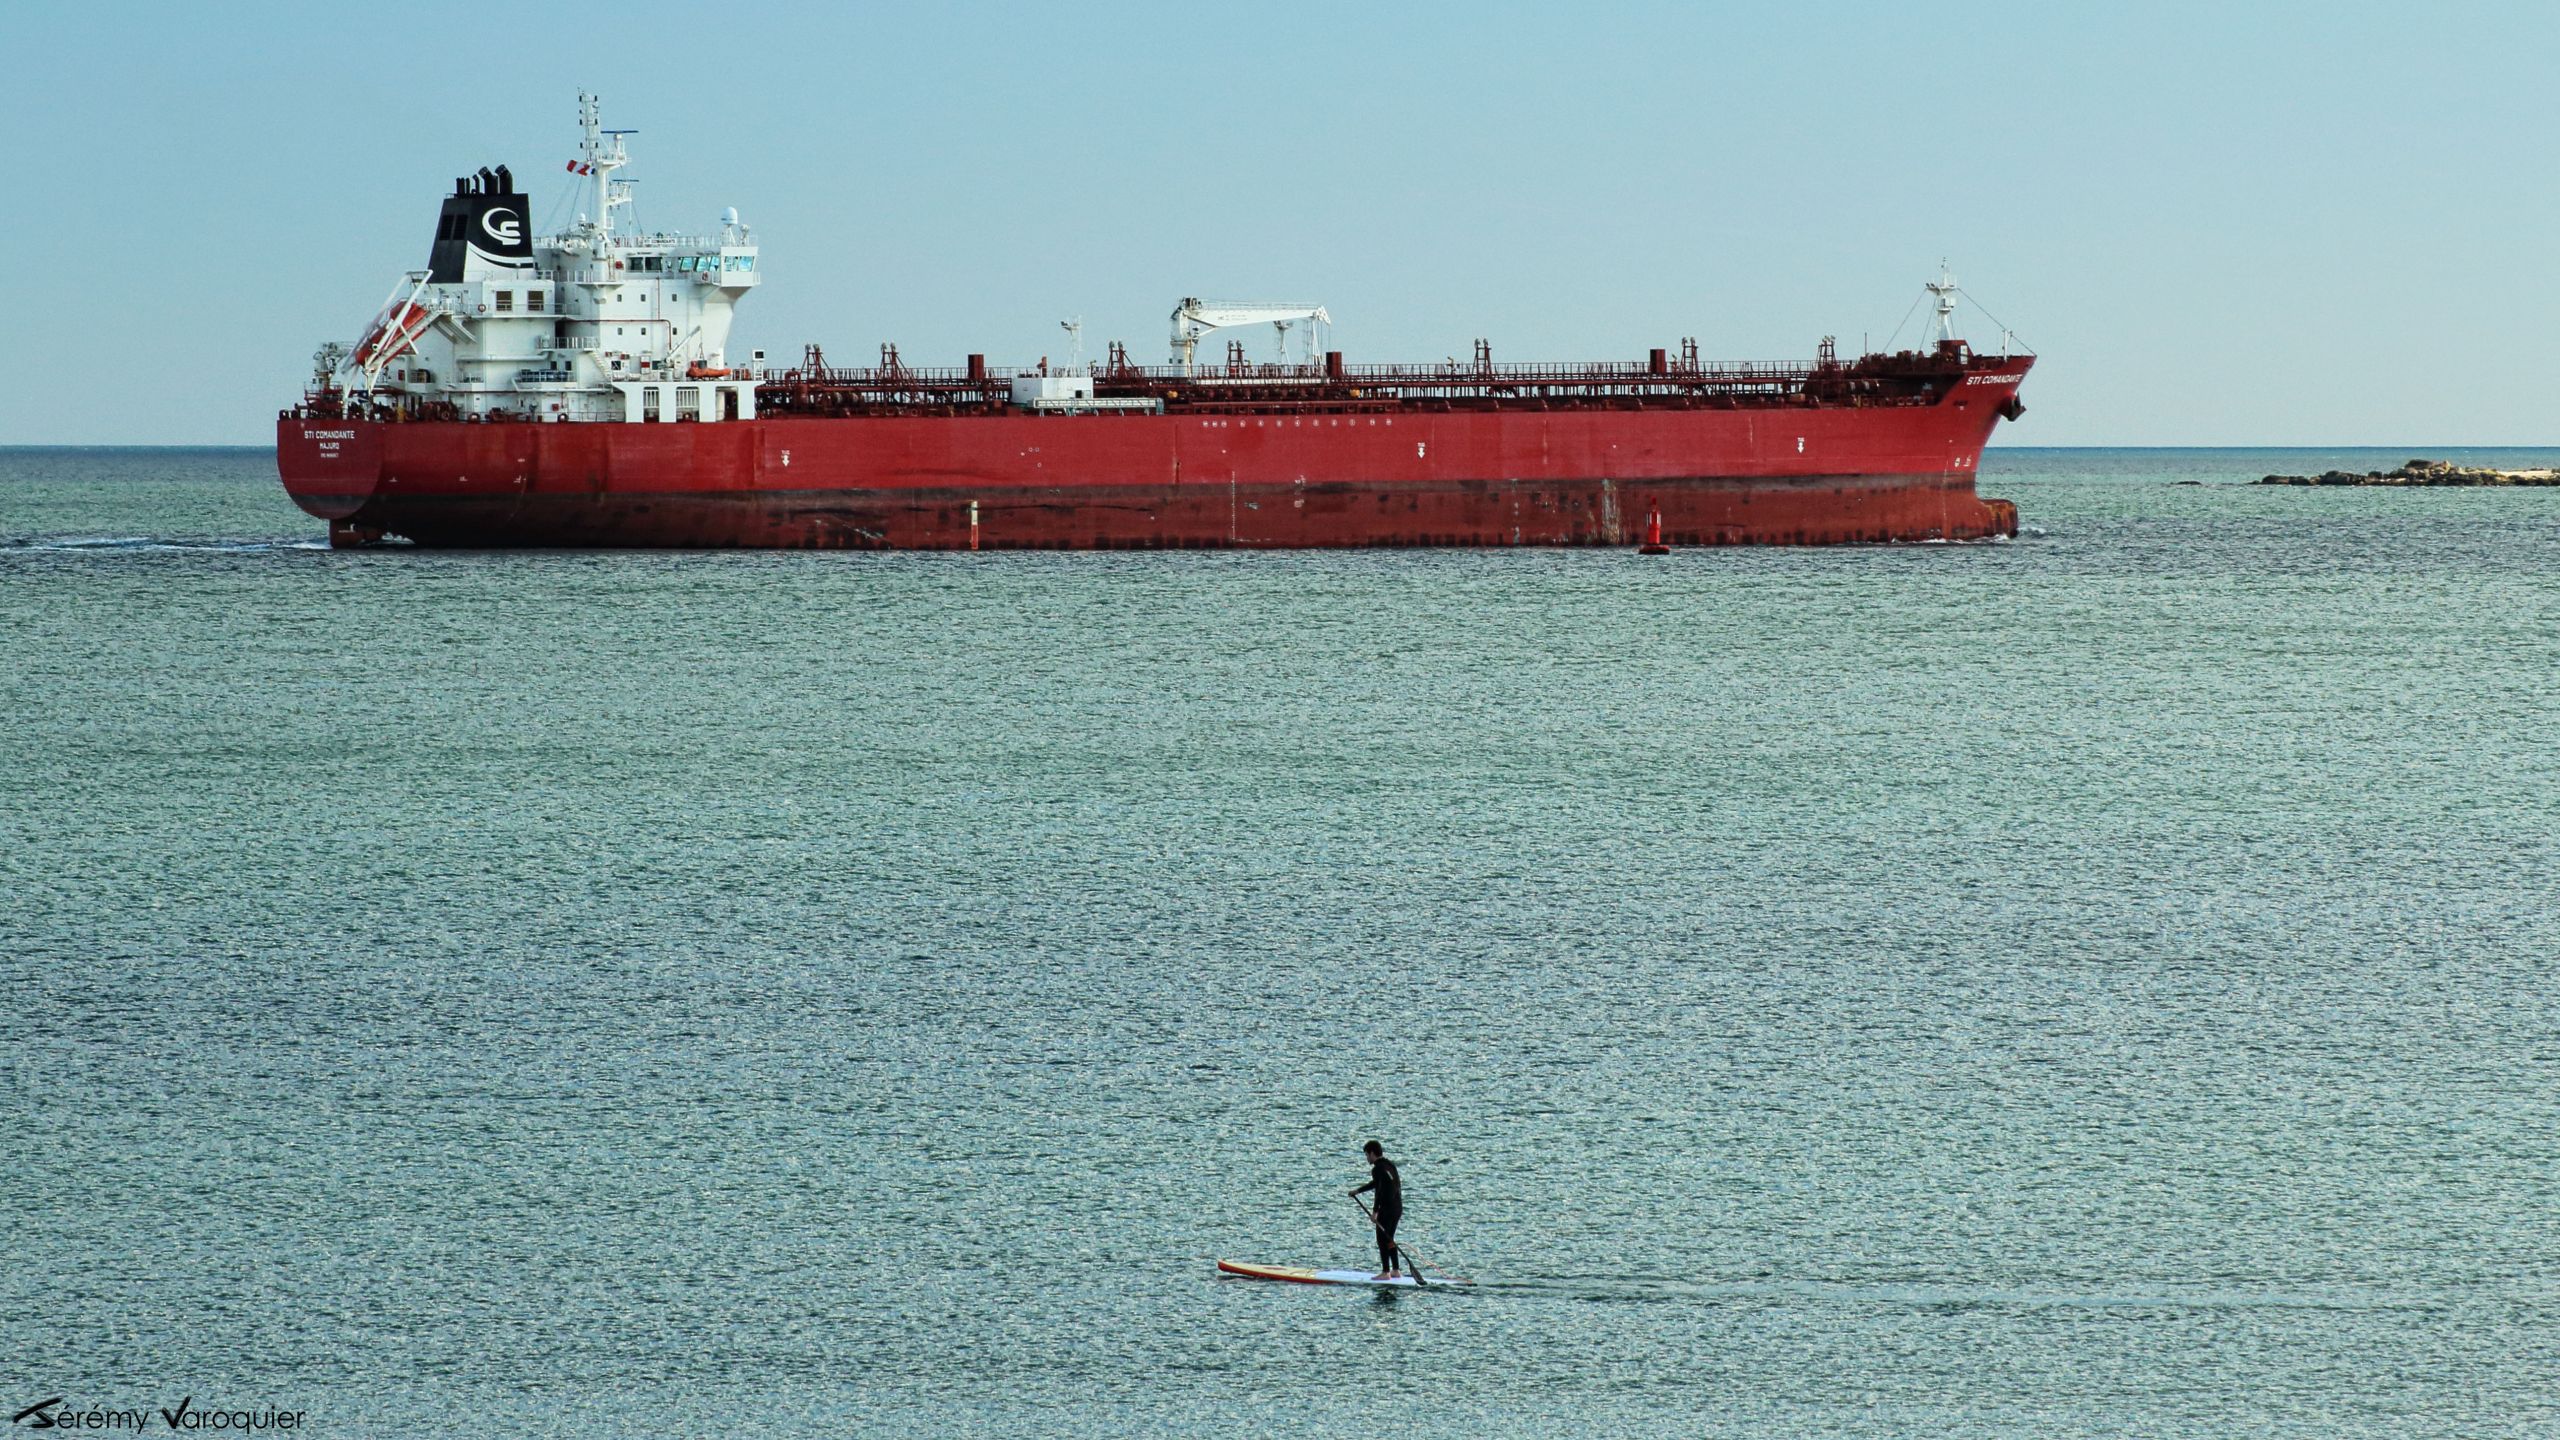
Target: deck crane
{"type": "Point", "coordinates": [1194, 318]}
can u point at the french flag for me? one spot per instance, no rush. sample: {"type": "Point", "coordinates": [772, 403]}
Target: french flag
{"type": "Point", "coordinates": [577, 169]}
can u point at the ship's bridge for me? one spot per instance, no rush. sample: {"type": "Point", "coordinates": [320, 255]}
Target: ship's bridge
{"type": "Point", "coordinates": [594, 323]}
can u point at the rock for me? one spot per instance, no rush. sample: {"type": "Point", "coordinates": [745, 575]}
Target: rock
{"type": "Point", "coordinates": [2422, 472]}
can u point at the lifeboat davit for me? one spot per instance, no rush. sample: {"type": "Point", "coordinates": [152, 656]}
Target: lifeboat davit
{"type": "Point", "coordinates": [393, 331]}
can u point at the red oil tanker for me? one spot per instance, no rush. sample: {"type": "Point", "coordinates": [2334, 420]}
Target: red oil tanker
{"type": "Point", "coordinates": [575, 391]}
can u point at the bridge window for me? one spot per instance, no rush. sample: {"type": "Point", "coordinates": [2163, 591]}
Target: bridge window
{"type": "Point", "coordinates": [506, 301]}
{"type": "Point", "coordinates": [533, 302]}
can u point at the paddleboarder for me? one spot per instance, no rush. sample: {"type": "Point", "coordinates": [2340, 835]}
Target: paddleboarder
{"type": "Point", "coordinates": [1389, 1186]}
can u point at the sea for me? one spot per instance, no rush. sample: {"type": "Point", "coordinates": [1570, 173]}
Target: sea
{"type": "Point", "coordinates": [2095, 984]}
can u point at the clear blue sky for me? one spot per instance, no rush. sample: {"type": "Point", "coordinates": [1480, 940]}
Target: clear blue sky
{"type": "Point", "coordinates": [2217, 223]}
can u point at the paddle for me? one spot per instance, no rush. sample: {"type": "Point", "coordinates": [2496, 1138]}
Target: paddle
{"type": "Point", "coordinates": [1412, 1261]}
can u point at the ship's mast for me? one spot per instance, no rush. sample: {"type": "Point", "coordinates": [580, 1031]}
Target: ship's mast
{"type": "Point", "coordinates": [602, 152]}
{"type": "Point", "coordinates": [1945, 288]}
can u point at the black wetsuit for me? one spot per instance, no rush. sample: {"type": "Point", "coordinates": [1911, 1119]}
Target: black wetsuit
{"type": "Point", "coordinates": [1390, 1209]}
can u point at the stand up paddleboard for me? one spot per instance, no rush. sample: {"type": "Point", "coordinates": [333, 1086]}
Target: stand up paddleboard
{"type": "Point", "coordinates": [1296, 1276]}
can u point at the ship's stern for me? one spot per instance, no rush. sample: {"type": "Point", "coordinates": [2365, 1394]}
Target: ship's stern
{"type": "Point", "coordinates": [330, 468]}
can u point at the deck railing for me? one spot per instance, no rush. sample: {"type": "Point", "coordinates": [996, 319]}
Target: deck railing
{"type": "Point", "coordinates": [1893, 379]}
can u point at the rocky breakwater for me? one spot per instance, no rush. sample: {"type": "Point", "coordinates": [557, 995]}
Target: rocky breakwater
{"type": "Point", "coordinates": [2421, 472]}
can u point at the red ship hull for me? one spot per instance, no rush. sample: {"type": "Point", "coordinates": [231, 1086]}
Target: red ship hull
{"type": "Point", "coordinates": [1775, 474]}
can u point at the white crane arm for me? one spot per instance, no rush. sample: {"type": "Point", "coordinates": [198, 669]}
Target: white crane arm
{"type": "Point", "coordinates": [1194, 318]}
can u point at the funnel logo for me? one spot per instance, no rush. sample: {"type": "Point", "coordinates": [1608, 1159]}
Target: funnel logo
{"type": "Point", "coordinates": [503, 226]}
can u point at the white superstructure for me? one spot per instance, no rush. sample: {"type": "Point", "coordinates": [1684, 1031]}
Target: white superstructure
{"type": "Point", "coordinates": [595, 323]}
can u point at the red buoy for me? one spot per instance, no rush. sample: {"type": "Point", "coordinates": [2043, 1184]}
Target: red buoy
{"type": "Point", "coordinates": [1653, 537]}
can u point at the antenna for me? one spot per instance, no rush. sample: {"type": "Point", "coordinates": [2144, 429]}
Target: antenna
{"type": "Point", "coordinates": [1075, 341]}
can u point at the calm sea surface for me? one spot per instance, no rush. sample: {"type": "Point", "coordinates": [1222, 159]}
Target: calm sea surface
{"type": "Point", "coordinates": [2094, 985]}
